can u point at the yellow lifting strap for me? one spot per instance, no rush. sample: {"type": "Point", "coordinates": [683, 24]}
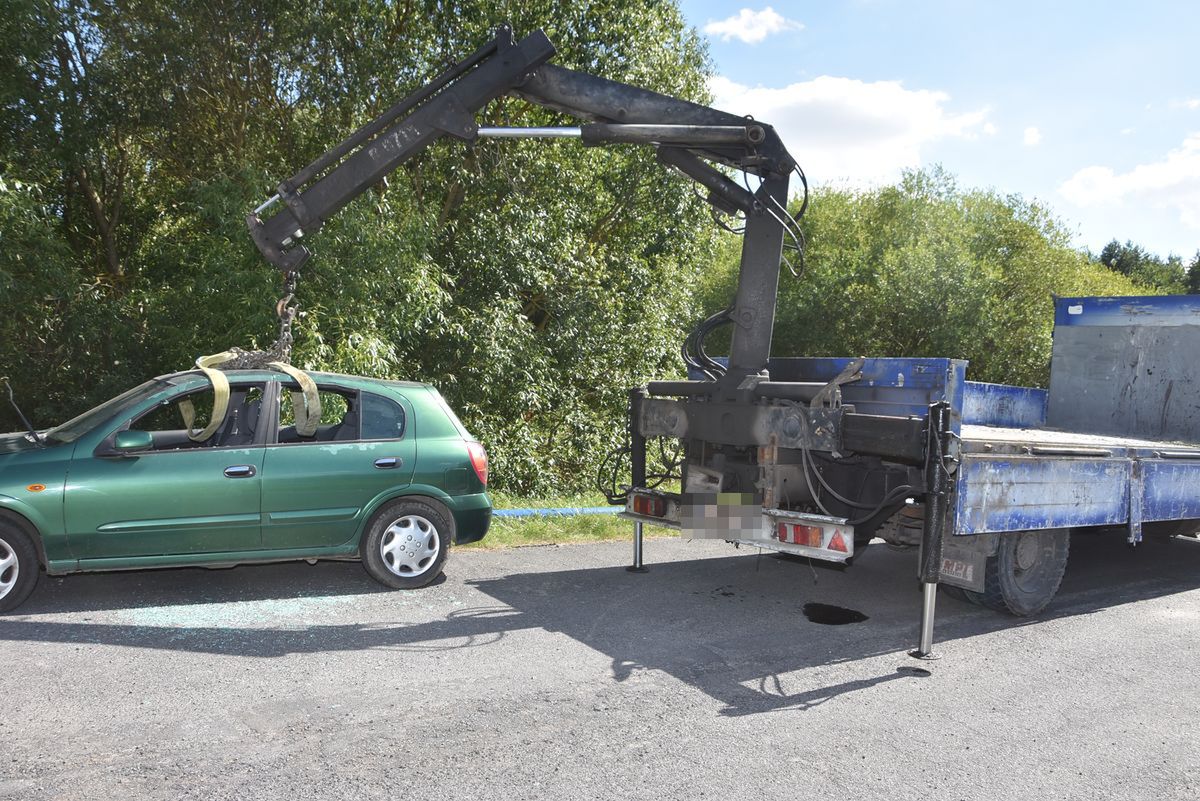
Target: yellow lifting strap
{"type": "Point", "coordinates": [220, 397]}
{"type": "Point", "coordinates": [306, 404]}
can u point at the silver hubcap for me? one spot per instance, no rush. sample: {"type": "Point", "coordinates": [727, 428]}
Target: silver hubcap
{"type": "Point", "coordinates": [410, 545]}
{"type": "Point", "coordinates": [9, 569]}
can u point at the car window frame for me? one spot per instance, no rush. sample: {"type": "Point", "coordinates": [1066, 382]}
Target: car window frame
{"type": "Point", "coordinates": [281, 386]}
{"type": "Point", "coordinates": [106, 449]}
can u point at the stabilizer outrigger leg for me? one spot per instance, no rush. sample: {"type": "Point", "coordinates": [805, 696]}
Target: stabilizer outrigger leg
{"type": "Point", "coordinates": [938, 456]}
{"type": "Point", "coordinates": [637, 566]}
{"type": "Point", "coordinates": [637, 467]}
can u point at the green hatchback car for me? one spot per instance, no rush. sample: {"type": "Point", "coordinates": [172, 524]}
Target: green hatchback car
{"type": "Point", "coordinates": [389, 476]}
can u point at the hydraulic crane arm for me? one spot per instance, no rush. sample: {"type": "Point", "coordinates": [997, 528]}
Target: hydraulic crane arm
{"type": "Point", "coordinates": [445, 107]}
{"type": "Point", "coordinates": [686, 135]}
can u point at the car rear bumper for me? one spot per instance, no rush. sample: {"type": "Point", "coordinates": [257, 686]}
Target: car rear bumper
{"type": "Point", "coordinates": [472, 516]}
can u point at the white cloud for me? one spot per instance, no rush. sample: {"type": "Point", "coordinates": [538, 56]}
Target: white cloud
{"type": "Point", "coordinates": [1192, 104]}
{"type": "Point", "coordinates": [851, 130]}
{"type": "Point", "coordinates": [989, 129]}
{"type": "Point", "coordinates": [751, 27]}
{"type": "Point", "coordinates": [1033, 137]}
{"type": "Point", "coordinates": [1171, 183]}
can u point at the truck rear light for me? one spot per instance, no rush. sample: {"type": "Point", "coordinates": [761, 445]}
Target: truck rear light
{"type": "Point", "coordinates": [817, 536]}
{"type": "Point", "coordinates": [479, 461]}
{"type": "Point", "coordinates": [811, 536]}
{"type": "Point", "coordinates": [649, 506]}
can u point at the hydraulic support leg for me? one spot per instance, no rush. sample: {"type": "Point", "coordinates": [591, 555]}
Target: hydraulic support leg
{"type": "Point", "coordinates": [637, 467]}
{"type": "Point", "coordinates": [937, 477]}
{"type": "Point", "coordinates": [637, 566]}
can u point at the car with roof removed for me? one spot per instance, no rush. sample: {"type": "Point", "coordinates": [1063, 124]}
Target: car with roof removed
{"type": "Point", "coordinates": [387, 475]}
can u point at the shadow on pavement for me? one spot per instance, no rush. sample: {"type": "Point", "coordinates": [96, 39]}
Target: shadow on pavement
{"type": "Point", "coordinates": [731, 626]}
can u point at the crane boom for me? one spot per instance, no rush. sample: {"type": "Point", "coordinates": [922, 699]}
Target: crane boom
{"type": "Point", "coordinates": [687, 136]}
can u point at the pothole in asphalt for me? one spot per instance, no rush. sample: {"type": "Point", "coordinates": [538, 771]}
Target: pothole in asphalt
{"type": "Point", "coordinates": [829, 615]}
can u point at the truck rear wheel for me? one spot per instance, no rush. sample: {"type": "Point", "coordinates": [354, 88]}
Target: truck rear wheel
{"type": "Point", "coordinates": [1024, 575]}
{"type": "Point", "coordinates": [960, 594]}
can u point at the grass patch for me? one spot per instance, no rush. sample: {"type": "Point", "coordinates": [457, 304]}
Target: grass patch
{"type": "Point", "coordinates": [507, 532]}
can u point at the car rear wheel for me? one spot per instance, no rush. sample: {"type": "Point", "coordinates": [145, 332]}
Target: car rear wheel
{"type": "Point", "coordinates": [407, 543]}
{"type": "Point", "coordinates": [18, 566]}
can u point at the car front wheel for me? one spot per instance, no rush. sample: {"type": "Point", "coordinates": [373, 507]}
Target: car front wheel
{"type": "Point", "coordinates": [407, 543]}
{"type": "Point", "coordinates": [18, 566]}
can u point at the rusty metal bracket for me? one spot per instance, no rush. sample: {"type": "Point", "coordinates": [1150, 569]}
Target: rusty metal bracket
{"type": "Point", "coordinates": [830, 395]}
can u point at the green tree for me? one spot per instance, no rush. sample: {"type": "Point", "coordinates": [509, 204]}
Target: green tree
{"type": "Point", "coordinates": [1144, 267]}
{"type": "Point", "coordinates": [1193, 275]}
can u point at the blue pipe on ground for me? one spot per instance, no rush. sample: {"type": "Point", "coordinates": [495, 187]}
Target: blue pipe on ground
{"type": "Point", "coordinates": [562, 512]}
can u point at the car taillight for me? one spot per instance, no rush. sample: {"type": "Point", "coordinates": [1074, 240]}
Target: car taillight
{"type": "Point", "coordinates": [478, 461]}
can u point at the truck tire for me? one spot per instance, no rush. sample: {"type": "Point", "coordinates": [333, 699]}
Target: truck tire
{"type": "Point", "coordinates": [961, 594]}
{"type": "Point", "coordinates": [1024, 575]}
{"type": "Point", "coordinates": [18, 566]}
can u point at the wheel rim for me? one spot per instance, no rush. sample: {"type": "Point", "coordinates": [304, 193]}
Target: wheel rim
{"type": "Point", "coordinates": [10, 568]}
{"type": "Point", "coordinates": [1027, 551]}
{"type": "Point", "coordinates": [410, 545]}
{"type": "Point", "coordinates": [1031, 561]}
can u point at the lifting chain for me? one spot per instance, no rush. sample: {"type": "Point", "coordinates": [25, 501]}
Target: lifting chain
{"type": "Point", "coordinates": [281, 351]}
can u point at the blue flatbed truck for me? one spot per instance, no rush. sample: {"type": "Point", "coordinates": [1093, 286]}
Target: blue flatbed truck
{"type": "Point", "coordinates": [1006, 474]}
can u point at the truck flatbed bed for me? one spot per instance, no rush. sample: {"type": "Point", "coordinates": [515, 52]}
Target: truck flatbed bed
{"type": "Point", "coordinates": [977, 438]}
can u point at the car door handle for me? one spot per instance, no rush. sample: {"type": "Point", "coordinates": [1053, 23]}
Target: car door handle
{"type": "Point", "coordinates": [240, 471]}
{"type": "Point", "coordinates": [388, 463]}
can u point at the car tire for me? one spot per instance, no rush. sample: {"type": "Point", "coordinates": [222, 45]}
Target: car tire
{"type": "Point", "coordinates": [407, 543]}
{"type": "Point", "coordinates": [18, 566]}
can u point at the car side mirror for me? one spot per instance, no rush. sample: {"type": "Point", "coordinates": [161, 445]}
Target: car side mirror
{"type": "Point", "coordinates": [129, 442]}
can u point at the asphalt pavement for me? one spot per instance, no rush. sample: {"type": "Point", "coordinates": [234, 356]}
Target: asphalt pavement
{"type": "Point", "coordinates": [552, 672]}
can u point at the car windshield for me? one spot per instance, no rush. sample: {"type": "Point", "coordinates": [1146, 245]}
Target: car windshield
{"type": "Point", "coordinates": [75, 428]}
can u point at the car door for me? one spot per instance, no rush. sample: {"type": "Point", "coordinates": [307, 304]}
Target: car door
{"type": "Point", "coordinates": [316, 490]}
{"type": "Point", "coordinates": [179, 496]}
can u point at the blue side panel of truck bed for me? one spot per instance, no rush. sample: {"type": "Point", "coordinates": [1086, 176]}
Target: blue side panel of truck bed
{"type": "Point", "coordinates": [1013, 493]}
{"type": "Point", "coordinates": [1003, 405]}
{"type": "Point", "coordinates": [1170, 490]}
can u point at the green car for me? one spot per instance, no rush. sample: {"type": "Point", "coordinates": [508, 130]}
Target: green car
{"type": "Point", "coordinates": [388, 476]}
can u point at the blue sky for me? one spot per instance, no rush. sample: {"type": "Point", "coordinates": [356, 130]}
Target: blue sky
{"type": "Point", "coordinates": [1091, 108]}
